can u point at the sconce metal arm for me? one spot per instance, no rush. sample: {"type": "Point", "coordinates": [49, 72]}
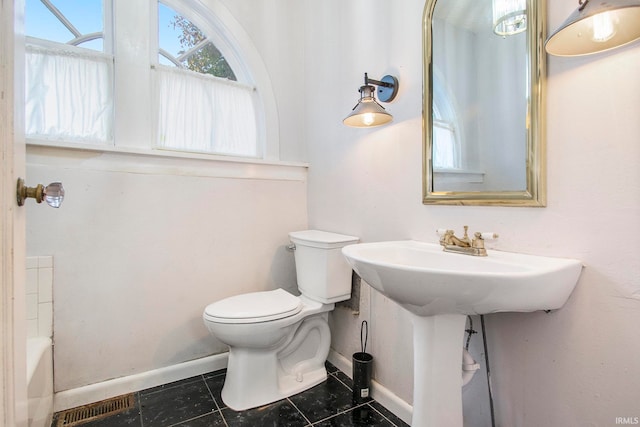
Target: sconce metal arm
{"type": "Point", "coordinates": [368, 81]}
{"type": "Point", "coordinates": [387, 87]}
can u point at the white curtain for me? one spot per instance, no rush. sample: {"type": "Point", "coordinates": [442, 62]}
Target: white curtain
{"type": "Point", "coordinates": [198, 112]}
{"type": "Point", "coordinates": [444, 146]}
{"type": "Point", "coordinates": [69, 95]}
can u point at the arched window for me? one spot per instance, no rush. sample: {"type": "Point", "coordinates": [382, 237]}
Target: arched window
{"type": "Point", "coordinates": [446, 135]}
{"type": "Point", "coordinates": [202, 106]}
{"type": "Point", "coordinates": [182, 44]}
{"type": "Point", "coordinates": [201, 94]}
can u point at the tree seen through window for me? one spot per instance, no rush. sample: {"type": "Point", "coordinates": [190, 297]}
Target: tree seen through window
{"type": "Point", "coordinates": [196, 52]}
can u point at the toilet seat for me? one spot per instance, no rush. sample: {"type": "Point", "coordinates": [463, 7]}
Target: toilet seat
{"type": "Point", "coordinates": [254, 307]}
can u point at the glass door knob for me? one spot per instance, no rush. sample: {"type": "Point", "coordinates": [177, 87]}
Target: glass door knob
{"type": "Point", "coordinates": [53, 193]}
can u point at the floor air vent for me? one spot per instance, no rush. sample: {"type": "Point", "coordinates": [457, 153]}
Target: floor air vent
{"type": "Point", "coordinates": [95, 411]}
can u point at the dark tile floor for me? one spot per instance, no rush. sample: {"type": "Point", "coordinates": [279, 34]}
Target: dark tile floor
{"type": "Point", "coordinates": [196, 402]}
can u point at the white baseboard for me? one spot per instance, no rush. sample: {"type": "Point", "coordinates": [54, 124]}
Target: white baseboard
{"type": "Point", "coordinates": [381, 394]}
{"type": "Point", "coordinates": [106, 389]}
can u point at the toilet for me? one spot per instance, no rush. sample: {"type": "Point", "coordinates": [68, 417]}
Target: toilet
{"type": "Point", "coordinates": [279, 342]}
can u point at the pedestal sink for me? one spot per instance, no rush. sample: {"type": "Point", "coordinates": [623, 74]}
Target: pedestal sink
{"type": "Point", "coordinates": [440, 289]}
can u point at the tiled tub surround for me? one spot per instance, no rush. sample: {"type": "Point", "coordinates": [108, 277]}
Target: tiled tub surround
{"type": "Point", "coordinates": [39, 298]}
{"type": "Point", "coordinates": [196, 402]}
{"type": "Point", "coordinates": [39, 305]}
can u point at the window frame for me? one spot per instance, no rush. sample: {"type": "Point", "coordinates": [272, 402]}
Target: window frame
{"type": "Point", "coordinates": [214, 30]}
{"type": "Point", "coordinates": [139, 130]}
{"type": "Point", "coordinates": [445, 117]}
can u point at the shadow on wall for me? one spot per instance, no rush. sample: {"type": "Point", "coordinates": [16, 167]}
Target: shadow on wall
{"type": "Point", "coordinates": [202, 343]}
{"type": "Point", "coordinates": [353, 303]}
{"type": "Point", "coordinates": [283, 270]}
{"type": "Point", "coordinates": [281, 275]}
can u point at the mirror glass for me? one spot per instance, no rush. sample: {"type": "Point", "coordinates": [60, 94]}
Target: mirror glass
{"type": "Point", "coordinates": [484, 76]}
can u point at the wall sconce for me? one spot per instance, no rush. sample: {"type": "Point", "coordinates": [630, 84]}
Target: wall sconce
{"type": "Point", "coordinates": [509, 17]}
{"type": "Point", "coordinates": [596, 26]}
{"type": "Point", "coordinates": [368, 112]}
{"type": "Point", "coordinates": [53, 193]}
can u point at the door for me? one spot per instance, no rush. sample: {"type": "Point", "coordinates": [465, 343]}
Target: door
{"type": "Point", "coordinates": [13, 394]}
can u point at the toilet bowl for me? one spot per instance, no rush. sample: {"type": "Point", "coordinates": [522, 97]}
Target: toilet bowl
{"type": "Point", "coordinates": [279, 342]}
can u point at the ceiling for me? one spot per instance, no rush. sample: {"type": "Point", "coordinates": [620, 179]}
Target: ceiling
{"type": "Point", "coordinates": [473, 15]}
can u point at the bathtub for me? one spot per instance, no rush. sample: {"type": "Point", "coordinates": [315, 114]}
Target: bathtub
{"type": "Point", "coordinates": [40, 381]}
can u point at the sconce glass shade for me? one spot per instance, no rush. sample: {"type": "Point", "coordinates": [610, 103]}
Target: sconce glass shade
{"type": "Point", "coordinates": [596, 26]}
{"type": "Point", "coordinates": [367, 112]}
{"type": "Point", "coordinates": [509, 17]}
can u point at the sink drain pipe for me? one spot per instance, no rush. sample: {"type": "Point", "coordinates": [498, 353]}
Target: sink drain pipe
{"type": "Point", "coordinates": [469, 366]}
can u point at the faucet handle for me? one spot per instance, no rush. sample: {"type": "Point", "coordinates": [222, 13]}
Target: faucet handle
{"type": "Point", "coordinates": [479, 238]}
{"type": "Point", "coordinates": [441, 231]}
{"type": "Point", "coordinates": [487, 235]}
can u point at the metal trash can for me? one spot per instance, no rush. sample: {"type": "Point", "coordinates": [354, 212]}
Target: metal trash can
{"type": "Point", "coordinates": [362, 363]}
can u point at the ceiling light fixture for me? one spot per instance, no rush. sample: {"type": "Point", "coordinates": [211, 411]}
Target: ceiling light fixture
{"type": "Point", "coordinates": [509, 17]}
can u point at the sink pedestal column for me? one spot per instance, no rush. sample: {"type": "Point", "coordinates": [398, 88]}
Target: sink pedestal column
{"type": "Point", "coordinates": [437, 384]}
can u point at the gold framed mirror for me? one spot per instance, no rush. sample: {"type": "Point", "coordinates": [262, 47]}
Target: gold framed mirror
{"type": "Point", "coordinates": [483, 112]}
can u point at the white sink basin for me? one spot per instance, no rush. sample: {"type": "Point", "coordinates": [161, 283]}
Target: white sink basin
{"type": "Point", "coordinates": [427, 281]}
{"type": "Point", "coordinates": [440, 289]}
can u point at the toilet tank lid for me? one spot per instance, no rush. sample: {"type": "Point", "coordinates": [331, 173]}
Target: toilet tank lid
{"type": "Point", "coordinates": [254, 307]}
{"type": "Point", "coordinates": [321, 239]}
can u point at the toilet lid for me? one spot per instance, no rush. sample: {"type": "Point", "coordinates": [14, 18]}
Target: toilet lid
{"type": "Point", "coordinates": [254, 307]}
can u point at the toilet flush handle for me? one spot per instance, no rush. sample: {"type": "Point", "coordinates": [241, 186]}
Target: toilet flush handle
{"type": "Point", "coordinates": [291, 247]}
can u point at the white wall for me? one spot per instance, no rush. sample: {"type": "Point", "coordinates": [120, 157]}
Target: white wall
{"type": "Point", "coordinates": [141, 248]}
{"type": "Point", "coordinates": [275, 29]}
{"type": "Point", "coordinates": [491, 124]}
{"type": "Point", "coordinates": [576, 366]}
{"type": "Point", "coordinates": [502, 120]}
{"type": "Point", "coordinates": [144, 242]}
{"type": "Point", "coordinates": [133, 272]}
{"type": "Point", "coordinates": [454, 50]}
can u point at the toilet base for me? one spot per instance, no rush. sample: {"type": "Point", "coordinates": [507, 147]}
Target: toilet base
{"type": "Point", "coordinates": [259, 377]}
{"type": "Point", "coordinates": [264, 389]}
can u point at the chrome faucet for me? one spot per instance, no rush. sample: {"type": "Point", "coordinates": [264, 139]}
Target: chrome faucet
{"type": "Point", "coordinates": [464, 245]}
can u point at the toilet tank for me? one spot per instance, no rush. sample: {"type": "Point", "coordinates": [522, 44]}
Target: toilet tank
{"type": "Point", "coordinates": [322, 271]}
